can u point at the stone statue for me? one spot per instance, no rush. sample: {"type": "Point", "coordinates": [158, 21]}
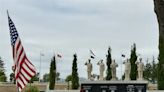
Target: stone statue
{"type": "Point", "coordinates": [102, 69]}
{"type": "Point", "coordinates": [89, 68]}
{"type": "Point", "coordinates": [127, 69]}
{"type": "Point", "coordinates": [140, 68]}
{"type": "Point", "coordinates": [113, 66]}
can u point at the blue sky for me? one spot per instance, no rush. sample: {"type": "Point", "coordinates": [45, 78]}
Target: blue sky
{"type": "Point", "coordinates": [76, 26]}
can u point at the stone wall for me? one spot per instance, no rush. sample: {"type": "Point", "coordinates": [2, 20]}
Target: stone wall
{"type": "Point", "coordinates": [8, 87]}
{"type": "Point", "coordinates": [60, 87]}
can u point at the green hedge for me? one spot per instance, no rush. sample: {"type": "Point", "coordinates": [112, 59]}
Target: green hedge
{"type": "Point", "coordinates": [32, 89]}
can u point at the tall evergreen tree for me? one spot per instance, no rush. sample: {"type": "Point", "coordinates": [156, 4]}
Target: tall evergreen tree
{"type": "Point", "coordinates": [147, 71]}
{"type": "Point", "coordinates": [52, 73]}
{"type": "Point", "coordinates": [109, 61]}
{"type": "Point", "coordinates": [159, 10]}
{"type": "Point", "coordinates": [133, 59]}
{"type": "Point", "coordinates": [150, 71]}
{"type": "Point", "coordinates": [75, 77]}
{"type": "Point", "coordinates": [12, 78]}
{"type": "Point", "coordinates": [154, 70]}
{"type": "Point", "coordinates": [3, 77]}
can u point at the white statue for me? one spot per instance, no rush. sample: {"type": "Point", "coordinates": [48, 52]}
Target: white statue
{"type": "Point", "coordinates": [140, 68]}
{"type": "Point", "coordinates": [102, 69]}
{"type": "Point", "coordinates": [127, 69]}
{"type": "Point", "coordinates": [89, 68]}
{"type": "Point", "coordinates": [113, 66]}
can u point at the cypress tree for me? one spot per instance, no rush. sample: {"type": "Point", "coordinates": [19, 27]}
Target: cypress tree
{"type": "Point", "coordinates": [52, 73]}
{"type": "Point", "coordinates": [147, 71]}
{"type": "Point", "coordinates": [109, 61]}
{"type": "Point", "coordinates": [160, 73]}
{"type": "Point", "coordinates": [154, 70]}
{"type": "Point", "coordinates": [159, 10]}
{"type": "Point", "coordinates": [133, 59]}
{"type": "Point", "coordinates": [3, 77]}
{"type": "Point", "coordinates": [75, 78]}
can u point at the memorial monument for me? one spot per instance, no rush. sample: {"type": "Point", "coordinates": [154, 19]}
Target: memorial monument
{"type": "Point", "coordinates": [114, 85]}
{"type": "Point", "coordinates": [140, 68]}
{"type": "Point", "coordinates": [127, 69]}
{"type": "Point", "coordinates": [89, 68]}
{"type": "Point", "coordinates": [101, 69]}
{"type": "Point", "coordinates": [113, 69]}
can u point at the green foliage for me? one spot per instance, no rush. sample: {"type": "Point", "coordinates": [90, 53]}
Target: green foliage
{"type": "Point", "coordinates": [52, 73]}
{"type": "Point", "coordinates": [159, 10]}
{"type": "Point", "coordinates": [12, 78]}
{"type": "Point", "coordinates": [57, 76]}
{"type": "Point", "coordinates": [75, 78]}
{"type": "Point", "coordinates": [150, 71]}
{"type": "Point", "coordinates": [109, 61]}
{"type": "Point", "coordinates": [35, 78]}
{"type": "Point", "coordinates": [147, 71]}
{"type": "Point", "coordinates": [3, 77]}
{"type": "Point", "coordinates": [46, 77]}
{"type": "Point", "coordinates": [161, 64]}
{"type": "Point", "coordinates": [133, 59]}
{"type": "Point", "coordinates": [1, 65]}
{"type": "Point", "coordinates": [123, 76]}
{"type": "Point", "coordinates": [68, 78]}
{"type": "Point", "coordinates": [154, 71]}
{"type": "Point", "coordinates": [32, 89]}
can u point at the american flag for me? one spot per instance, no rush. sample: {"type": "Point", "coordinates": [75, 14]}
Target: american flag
{"type": "Point", "coordinates": [24, 70]}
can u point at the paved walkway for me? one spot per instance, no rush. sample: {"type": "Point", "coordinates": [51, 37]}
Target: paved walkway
{"type": "Point", "coordinates": [64, 91]}
{"type": "Point", "coordinates": [79, 91]}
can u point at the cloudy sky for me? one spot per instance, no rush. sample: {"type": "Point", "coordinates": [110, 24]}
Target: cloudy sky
{"type": "Point", "coordinates": [76, 26]}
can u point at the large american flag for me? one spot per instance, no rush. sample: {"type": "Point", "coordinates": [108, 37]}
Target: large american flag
{"type": "Point", "coordinates": [24, 70]}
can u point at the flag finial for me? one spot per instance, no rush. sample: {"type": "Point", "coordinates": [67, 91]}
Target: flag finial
{"type": "Point", "coordinates": [7, 13]}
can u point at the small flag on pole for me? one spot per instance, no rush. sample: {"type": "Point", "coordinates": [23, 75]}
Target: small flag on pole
{"type": "Point", "coordinates": [122, 55]}
{"type": "Point", "coordinates": [59, 56]}
{"type": "Point", "coordinates": [24, 70]}
{"type": "Point", "coordinates": [41, 54]}
{"type": "Point", "coordinates": [92, 55]}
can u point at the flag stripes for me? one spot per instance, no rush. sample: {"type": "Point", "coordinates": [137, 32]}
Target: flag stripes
{"type": "Point", "coordinates": [24, 70]}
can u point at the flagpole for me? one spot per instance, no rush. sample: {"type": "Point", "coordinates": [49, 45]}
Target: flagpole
{"type": "Point", "coordinates": [122, 56]}
{"type": "Point", "coordinates": [15, 79]}
{"type": "Point", "coordinates": [121, 67]}
{"type": "Point", "coordinates": [17, 87]}
{"type": "Point", "coordinates": [40, 66]}
{"type": "Point", "coordinates": [7, 13]}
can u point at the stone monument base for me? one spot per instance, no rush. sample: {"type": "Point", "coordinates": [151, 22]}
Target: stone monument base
{"type": "Point", "coordinates": [114, 86]}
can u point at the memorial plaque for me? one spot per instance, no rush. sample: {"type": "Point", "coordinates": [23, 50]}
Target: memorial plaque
{"type": "Point", "coordinates": [122, 86]}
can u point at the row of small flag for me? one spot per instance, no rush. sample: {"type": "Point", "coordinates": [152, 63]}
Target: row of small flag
{"type": "Point", "coordinates": [92, 55]}
{"type": "Point", "coordinates": [58, 55]}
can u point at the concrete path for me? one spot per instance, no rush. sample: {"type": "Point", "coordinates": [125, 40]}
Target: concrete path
{"type": "Point", "coordinates": [63, 91]}
{"type": "Point", "coordinates": [79, 91]}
